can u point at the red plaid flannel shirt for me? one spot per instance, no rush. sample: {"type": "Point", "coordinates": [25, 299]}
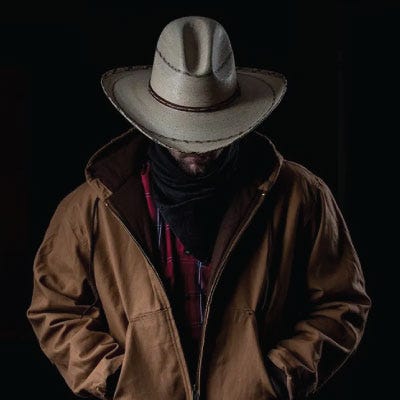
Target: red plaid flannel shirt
{"type": "Point", "coordinates": [179, 265]}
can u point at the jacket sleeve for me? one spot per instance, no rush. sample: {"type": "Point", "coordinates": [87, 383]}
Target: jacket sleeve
{"type": "Point", "coordinates": [71, 332]}
{"type": "Point", "coordinates": [338, 304]}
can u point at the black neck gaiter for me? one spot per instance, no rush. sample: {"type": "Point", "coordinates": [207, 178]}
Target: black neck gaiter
{"type": "Point", "coordinates": [193, 205]}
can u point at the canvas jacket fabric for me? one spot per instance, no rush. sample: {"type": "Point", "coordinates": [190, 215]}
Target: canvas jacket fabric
{"type": "Point", "coordinates": [294, 296]}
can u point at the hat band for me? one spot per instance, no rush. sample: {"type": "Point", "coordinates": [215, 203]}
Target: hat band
{"type": "Point", "coordinates": [213, 107]}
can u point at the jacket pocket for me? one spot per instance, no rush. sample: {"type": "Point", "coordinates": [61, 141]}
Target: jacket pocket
{"type": "Point", "coordinates": [151, 368]}
{"type": "Point", "coordinates": [237, 367]}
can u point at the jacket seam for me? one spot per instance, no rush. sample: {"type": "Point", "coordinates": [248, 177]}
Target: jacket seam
{"type": "Point", "coordinates": [172, 335]}
{"type": "Point", "coordinates": [147, 314]}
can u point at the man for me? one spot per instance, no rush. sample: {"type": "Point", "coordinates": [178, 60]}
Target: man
{"type": "Point", "coordinates": [195, 261]}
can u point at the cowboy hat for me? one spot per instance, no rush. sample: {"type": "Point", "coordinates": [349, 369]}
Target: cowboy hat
{"type": "Point", "coordinates": [193, 98]}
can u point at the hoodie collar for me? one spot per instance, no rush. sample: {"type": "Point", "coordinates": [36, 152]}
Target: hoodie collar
{"type": "Point", "coordinates": [112, 164]}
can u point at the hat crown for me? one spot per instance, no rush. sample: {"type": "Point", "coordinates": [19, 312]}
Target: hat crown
{"type": "Point", "coordinates": [194, 64]}
{"type": "Point", "coordinates": [197, 45]}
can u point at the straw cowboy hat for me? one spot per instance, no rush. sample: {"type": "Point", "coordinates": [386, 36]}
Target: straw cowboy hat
{"type": "Point", "coordinates": [193, 98]}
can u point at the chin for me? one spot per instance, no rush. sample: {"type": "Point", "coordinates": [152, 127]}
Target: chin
{"type": "Point", "coordinates": [194, 169]}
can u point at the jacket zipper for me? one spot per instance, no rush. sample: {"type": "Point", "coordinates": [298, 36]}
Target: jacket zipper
{"type": "Point", "coordinates": [266, 292]}
{"type": "Point", "coordinates": [116, 213]}
{"type": "Point", "coordinates": [196, 385]}
{"type": "Point", "coordinates": [266, 286]}
{"type": "Point", "coordinates": [195, 392]}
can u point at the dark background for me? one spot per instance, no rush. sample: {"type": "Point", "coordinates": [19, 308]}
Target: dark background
{"type": "Point", "coordinates": [337, 119]}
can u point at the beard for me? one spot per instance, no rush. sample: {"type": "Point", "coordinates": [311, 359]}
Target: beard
{"type": "Point", "coordinates": [196, 165]}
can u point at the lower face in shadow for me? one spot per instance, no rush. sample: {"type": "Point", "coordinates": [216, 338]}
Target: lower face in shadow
{"type": "Point", "coordinates": [196, 163]}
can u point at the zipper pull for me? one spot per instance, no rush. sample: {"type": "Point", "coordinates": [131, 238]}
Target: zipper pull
{"type": "Point", "coordinates": [196, 394]}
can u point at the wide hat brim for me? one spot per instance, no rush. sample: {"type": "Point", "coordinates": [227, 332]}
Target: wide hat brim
{"type": "Point", "coordinates": [192, 131]}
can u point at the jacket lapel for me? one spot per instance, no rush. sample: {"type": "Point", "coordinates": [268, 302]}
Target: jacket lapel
{"type": "Point", "coordinates": [114, 171]}
{"type": "Point", "coordinates": [260, 165]}
{"type": "Point", "coordinates": [130, 202]}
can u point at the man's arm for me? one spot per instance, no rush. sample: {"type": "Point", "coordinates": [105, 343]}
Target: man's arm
{"type": "Point", "coordinates": [338, 305]}
{"type": "Point", "coordinates": [71, 333]}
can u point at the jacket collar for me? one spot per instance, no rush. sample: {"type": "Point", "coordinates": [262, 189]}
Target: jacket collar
{"type": "Point", "coordinates": [108, 169]}
{"type": "Point", "coordinates": [114, 172]}
{"type": "Point", "coordinates": [112, 164]}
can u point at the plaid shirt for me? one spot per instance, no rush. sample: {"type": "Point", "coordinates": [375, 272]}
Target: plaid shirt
{"type": "Point", "coordinates": [187, 277]}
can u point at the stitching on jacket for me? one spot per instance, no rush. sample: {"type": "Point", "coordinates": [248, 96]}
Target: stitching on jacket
{"type": "Point", "coordinates": [147, 314]}
{"type": "Point", "coordinates": [91, 279]}
{"type": "Point", "coordinates": [172, 335]}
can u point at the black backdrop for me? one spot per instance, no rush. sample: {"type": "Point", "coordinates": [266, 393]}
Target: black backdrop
{"type": "Point", "coordinates": [337, 57]}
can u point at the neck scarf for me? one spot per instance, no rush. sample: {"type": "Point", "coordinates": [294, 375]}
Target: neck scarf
{"type": "Point", "coordinates": [193, 205]}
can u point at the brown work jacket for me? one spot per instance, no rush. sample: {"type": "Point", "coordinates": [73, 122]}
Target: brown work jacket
{"type": "Point", "coordinates": [287, 292]}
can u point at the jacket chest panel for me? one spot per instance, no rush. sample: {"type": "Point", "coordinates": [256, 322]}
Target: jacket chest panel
{"type": "Point", "coordinates": [246, 274]}
{"type": "Point", "coordinates": [124, 278]}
